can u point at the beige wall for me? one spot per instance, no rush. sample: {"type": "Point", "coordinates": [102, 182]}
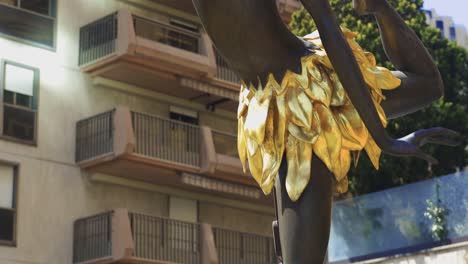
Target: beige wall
{"type": "Point", "coordinates": [235, 219]}
{"type": "Point", "coordinates": [53, 191]}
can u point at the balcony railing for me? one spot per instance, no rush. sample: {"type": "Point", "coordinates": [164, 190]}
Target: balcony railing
{"type": "Point", "coordinates": [94, 136]}
{"type": "Point", "coordinates": [98, 39]}
{"type": "Point", "coordinates": [167, 34]}
{"type": "Point", "coordinates": [92, 238]}
{"type": "Point", "coordinates": [165, 239]}
{"type": "Point", "coordinates": [127, 144]}
{"type": "Point", "coordinates": [120, 236]}
{"type": "Point", "coordinates": [223, 71]}
{"type": "Point", "coordinates": [235, 247]}
{"type": "Point", "coordinates": [166, 139]}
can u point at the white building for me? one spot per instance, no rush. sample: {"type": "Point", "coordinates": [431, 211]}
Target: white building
{"type": "Point", "coordinates": [447, 27]}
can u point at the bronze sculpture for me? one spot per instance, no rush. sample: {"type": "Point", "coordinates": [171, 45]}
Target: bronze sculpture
{"type": "Point", "coordinates": [308, 105]}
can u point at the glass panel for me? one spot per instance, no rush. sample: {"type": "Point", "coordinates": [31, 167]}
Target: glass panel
{"type": "Point", "coordinates": [6, 187]}
{"type": "Point", "coordinates": [394, 221]}
{"type": "Point", "coordinates": [28, 26]}
{"type": "Point", "coordinates": [23, 100]}
{"type": "Point", "coordinates": [7, 219]}
{"type": "Point", "coordinates": [9, 2]}
{"type": "Point", "coordinates": [39, 6]}
{"type": "Point", "coordinates": [19, 123]}
{"type": "Point", "coordinates": [8, 97]}
{"type": "Point", "coordinates": [19, 79]}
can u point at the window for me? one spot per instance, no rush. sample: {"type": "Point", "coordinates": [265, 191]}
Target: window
{"type": "Point", "coordinates": [32, 21]}
{"type": "Point", "coordinates": [184, 137]}
{"type": "Point", "coordinates": [19, 94]}
{"type": "Point", "coordinates": [429, 13]}
{"type": "Point", "coordinates": [440, 26]}
{"type": "Point", "coordinates": [453, 33]}
{"type": "Point", "coordinates": [8, 190]}
{"type": "Point", "coordinates": [183, 115]}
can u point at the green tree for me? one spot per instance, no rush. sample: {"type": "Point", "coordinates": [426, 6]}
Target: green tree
{"type": "Point", "coordinates": [451, 112]}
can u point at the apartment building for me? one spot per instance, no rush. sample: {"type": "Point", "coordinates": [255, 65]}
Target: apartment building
{"type": "Point", "coordinates": [287, 7]}
{"type": "Point", "coordinates": [447, 27]}
{"type": "Point", "coordinates": [117, 139]}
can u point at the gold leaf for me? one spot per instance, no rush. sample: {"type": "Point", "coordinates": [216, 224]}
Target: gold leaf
{"type": "Point", "coordinates": [302, 135]}
{"type": "Point", "coordinates": [328, 144]}
{"type": "Point", "coordinates": [342, 165]}
{"type": "Point", "coordinates": [241, 145]}
{"type": "Point", "coordinates": [342, 186]}
{"type": "Point", "coordinates": [299, 157]}
{"type": "Point", "coordinates": [299, 108]}
{"type": "Point", "coordinates": [351, 126]}
{"type": "Point", "coordinates": [256, 166]}
{"type": "Point", "coordinates": [256, 117]}
{"type": "Point", "coordinates": [373, 151]}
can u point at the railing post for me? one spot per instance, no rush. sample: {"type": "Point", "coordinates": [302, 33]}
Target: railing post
{"type": "Point", "coordinates": [124, 137]}
{"type": "Point", "coordinates": [122, 241]}
{"type": "Point", "coordinates": [209, 254]}
{"type": "Point", "coordinates": [126, 37]}
{"type": "Point", "coordinates": [207, 151]}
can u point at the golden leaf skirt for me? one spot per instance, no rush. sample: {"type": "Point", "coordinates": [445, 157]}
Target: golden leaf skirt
{"type": "Point", "coordinates": [308, 113]}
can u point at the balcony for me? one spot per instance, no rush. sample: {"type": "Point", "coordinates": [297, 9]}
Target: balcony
{"type": "Point", "coordinates": [157, 55]}
{"type": "Point", "coordinates": [161, 151]}
{"type": "Point", "coordinates": [123, 237]}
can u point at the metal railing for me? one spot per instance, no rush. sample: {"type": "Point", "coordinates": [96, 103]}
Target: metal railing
{"type": "Point", "coordinates": [94, 136]}
{"type": "Point", "coordinates": [243, 248]}
{"type": "Point", "coordinates": [167, 34]}
{"type": "Point", "coordinates": [97, 39]}
{"type": "Point", "coordinates": [92, 238]}
{"type": "Point", "coordinates": [223, 71]}
{"type": "Point", "coordinates": [166, 139]}
{"type": "Point", "coordinates": [163, 239]}
{"type": "Point", "coordinates": [225, 143]}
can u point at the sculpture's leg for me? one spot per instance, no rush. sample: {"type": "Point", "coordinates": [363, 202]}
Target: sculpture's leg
{"type": "Point", "coordinates": [304, 225]}
{"type": "Point", "coordinates": [421, 81]}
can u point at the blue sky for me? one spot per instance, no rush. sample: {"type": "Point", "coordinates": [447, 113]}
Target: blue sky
{"type": "Point", "coordinates": [457, 9]}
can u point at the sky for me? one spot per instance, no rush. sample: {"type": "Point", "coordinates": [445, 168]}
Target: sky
{"type": "Point", "coordinates": [457, 9]}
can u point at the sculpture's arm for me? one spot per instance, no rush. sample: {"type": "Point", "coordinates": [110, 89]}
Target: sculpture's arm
{"type": "Point", "coordinates": [348, 71]}
{"type": "Point", "coordinates": [346, 67]}
{"type": "Point", "coordinates": [415, 92]}
{"type": "Point", "coordinates": [421, 80]}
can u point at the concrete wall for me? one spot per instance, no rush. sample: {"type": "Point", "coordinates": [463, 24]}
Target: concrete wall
{"type": "Point", "coordinates": [453, 254]}
{"type": "Point", "coordinates": [53, 191]}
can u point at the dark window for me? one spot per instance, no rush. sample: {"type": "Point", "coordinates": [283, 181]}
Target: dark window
{"type": "Point", "coordinates": [38, 6]}
{"type": "Point", "coordinates": [30, 20]}
{"type": "Point", "coordinates": [453, 33]}
{"type": "Point", "coordinates": [184, 118]}
{"type": "Point", "coordinates": [440, 26]}
{"type": "Point", "coordinates": [8, 189]}
{"type": "Point", "coordinates": [19, 85]}
{"type": "Point", "coordinates": [429, 13]}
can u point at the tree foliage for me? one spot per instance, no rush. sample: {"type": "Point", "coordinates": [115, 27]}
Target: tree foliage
{"type": "Point", "coordinates": [450, 112]}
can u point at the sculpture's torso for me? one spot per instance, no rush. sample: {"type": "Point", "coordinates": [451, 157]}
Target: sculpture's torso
{"type": "Point", "coordinates": [263, 43]}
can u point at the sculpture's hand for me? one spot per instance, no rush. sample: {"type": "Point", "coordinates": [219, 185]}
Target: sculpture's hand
{"type": "Point", "coordinates": [410, 144]}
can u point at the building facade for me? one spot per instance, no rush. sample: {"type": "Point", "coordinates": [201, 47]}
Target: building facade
{"type": "Point", "coordinates": [118, 139]}
{"type": "Point", "coordinates": [447, 27]}
{"type": "Point", "coordinates": [287, 7]}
